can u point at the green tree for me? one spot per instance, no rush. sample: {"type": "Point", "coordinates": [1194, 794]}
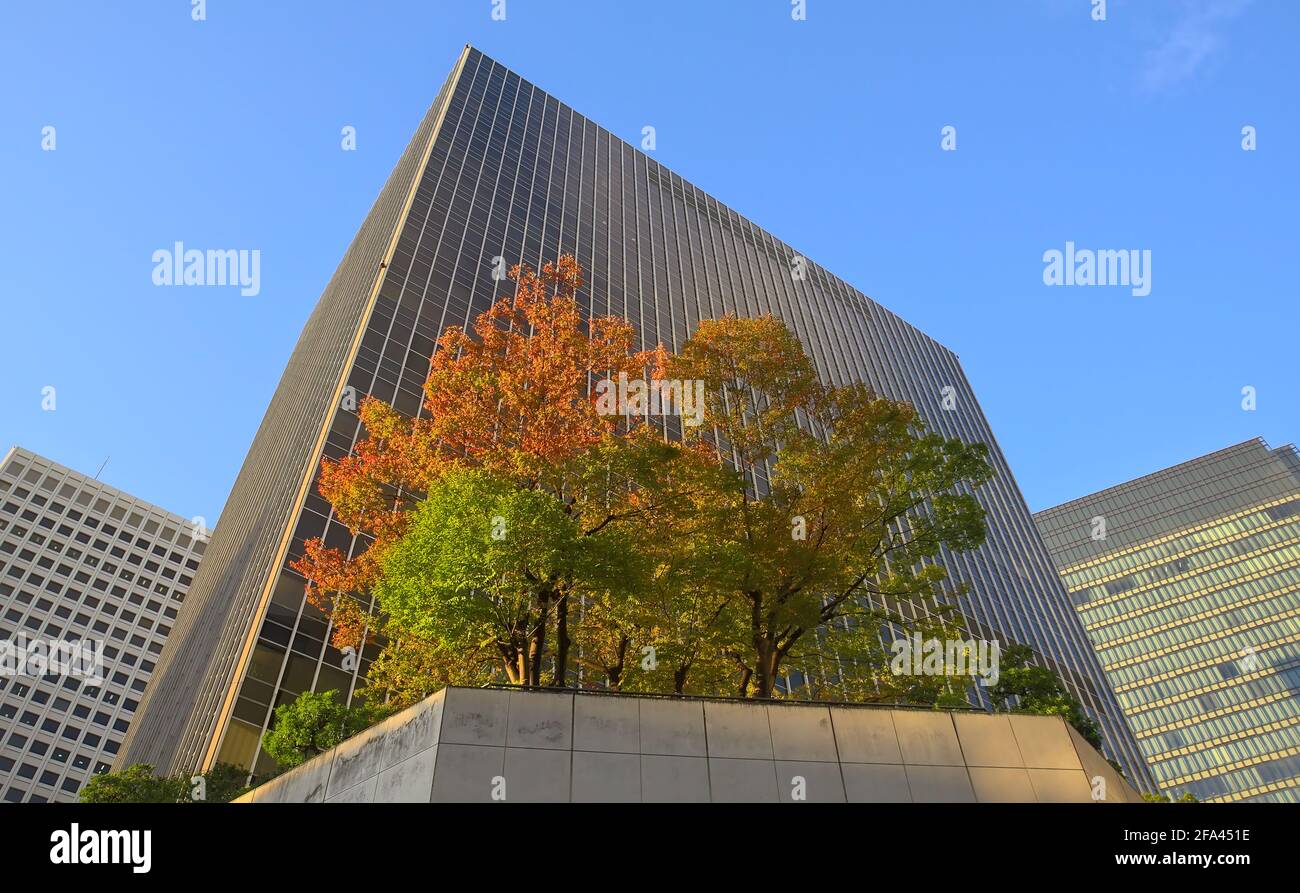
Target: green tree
{"type": "Point", "coordinates": [695, 567]}
{"type": "Point", "coordinates": [484, 566]}
{"type": "Point", "coordinates": [530, 529]}
{"type": "Point", "coordinates": [224, 783]}
{"type": "Point", "coordinates": [312, 724]}
{"type": "Point", "coordinates": [832, 503]}
{"type": "Point", "coordinates": [1037, 689]}
{"type": "Point", "coordinates": [134, 784]}
{"type": "Point", "coordinates": [409, 668]}
{"type": "Point", "coordinates": [139, 784]}
{"type": "Point", "coordinates": [666, 619]}
{"type": "Point", "coordinates": [856, 662]}
{"type": "Point", "coordinates": [1185, 797]}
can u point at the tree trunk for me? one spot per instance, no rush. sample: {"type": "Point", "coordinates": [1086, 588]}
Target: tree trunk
{"type": "Point", "coordinates": [561, 640]}
{"type": "Point", "coordinates": [763, 648]}
{"type": "Point", "coordinates": [510, 661]}
{"type": "Point", "coordinates": [679, 679]}
{"type": "Point", "coordinates": [537, 641]}
{"type": "Point", "coordinates": [614, 673]}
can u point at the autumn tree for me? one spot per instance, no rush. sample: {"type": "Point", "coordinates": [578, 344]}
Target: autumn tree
{"type": "Point", "coordinates": [518, 531]}
{"type": "Point", "coordinates": [510, 399]}
{"type": "Point", "coordinates": [835, 498]}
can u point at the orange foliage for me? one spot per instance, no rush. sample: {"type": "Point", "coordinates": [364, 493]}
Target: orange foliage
{"type": "Point", "coordinates": [511, 396]}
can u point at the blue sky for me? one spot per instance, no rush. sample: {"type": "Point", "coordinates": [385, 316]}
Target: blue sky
{"type": "Point", "coordinates": [1115, 134]}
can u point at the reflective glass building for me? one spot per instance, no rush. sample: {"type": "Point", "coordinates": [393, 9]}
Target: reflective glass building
{"type": "Point", "coordinates": [498, 169]}
{"type": "Point", "coordinates": [1188, 581]}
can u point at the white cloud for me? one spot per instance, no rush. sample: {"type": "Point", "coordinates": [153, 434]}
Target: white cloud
{"type": "Point", "coordinates": [1196, 37]}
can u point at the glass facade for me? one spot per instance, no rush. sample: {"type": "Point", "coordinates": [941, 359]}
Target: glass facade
{"type": "Point", "coordinates": [79, 562]}
{"type": "Point", "coordinates": [1188, 582]}
{"type": "Point", "coordinates": [499, 169]}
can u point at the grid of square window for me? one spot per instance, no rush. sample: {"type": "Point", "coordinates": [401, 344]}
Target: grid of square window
{"type": "Point", "coordinates": [79, 563]}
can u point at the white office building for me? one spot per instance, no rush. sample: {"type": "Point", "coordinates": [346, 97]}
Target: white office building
{"type": "Point", "coordinates": [91, 579]}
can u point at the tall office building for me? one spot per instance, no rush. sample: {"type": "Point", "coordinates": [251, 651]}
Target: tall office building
{"type": "Point", "coordinates": [91, 581]}
{"type": "Point", "coordinates": [498, 169]}
{"type": "Point", "coordinates": [1188, 582]}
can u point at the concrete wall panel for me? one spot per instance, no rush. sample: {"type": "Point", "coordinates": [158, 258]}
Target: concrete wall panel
{"type": "Point", "coordinates": [738, 730]}
{"type": "Point", "coordinates": [993, 785]}
{"type": "Point", "coordinates": [1044, 742]}
{"type": "Point", "coordinates": [940, 784]}
{"type": "Point", "coordinates": [358, 793]}
{"type": "Point", "coordinates": [802, 733]}
{"type": "Point", "coordinates": [465, 773]}
{"type": "Point", "coordinates": [987, 740]}
{"type": "Point", "coordinates": [414, 730]}
{"type": "Point", "coordinates": [802, 781]}
{"type": "Point", "coordinates": [475, 716]}
{"type": "Point", "coordinates": [304, 784]}
{"type": "Point", "coordinates": [742, 781]}
{"type": "Point", "coordinates": [674, 728]}
{"type": "Point", "coordinates": [1060, 785]}
{"type": "Point", "coordinates": [465, 745]}
{"type": "Point", "coordinates": [606, 777]}
{"type": "Point", "coordinates": [927, 738]}
{"type": "Point", "coordinates": [540, 719]}
{"type": "Point", "coordinates": [1117, 789]}
{"type": "Point", "coordinates": [537, 775]}
{"type": "Point", "coordinates": [410, 781]}
{"type": "Point", "coordinates": [674, 779]}
{"type": "Point", "coordinates": [865, 736]}
{"type": "Point", "coordinates": [607, 724]}
{"type": "Point", "coordinates": [875, 783]}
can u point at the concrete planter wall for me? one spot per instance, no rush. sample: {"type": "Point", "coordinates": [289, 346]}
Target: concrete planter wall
{"type": "Point", "coordinates": [468, 744]}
